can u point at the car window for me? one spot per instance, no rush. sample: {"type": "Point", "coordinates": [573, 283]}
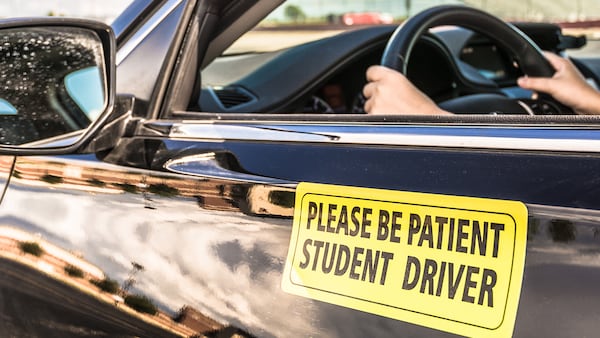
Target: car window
{"type": "Point", "coordinates": [275, 61]}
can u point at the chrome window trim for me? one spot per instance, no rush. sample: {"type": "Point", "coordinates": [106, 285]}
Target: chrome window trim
{"type": "Point", "coordinates": [146, 29]}
{"type": "Point", "coordinates": [206, 165]}
{"type": "Point", "coordinates": [536, 138]}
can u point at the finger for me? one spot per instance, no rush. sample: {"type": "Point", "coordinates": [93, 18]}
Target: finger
{"type": "Point", "coordinates": [556, 61]}
{"type": "Point", "coordinates": [563, 65]}
{"type": "Point", "coordinates": [369, 89]}
{"type": "Point", "coordinates": [376, 73]}
{"type": "Point", "coordinates": [541, 84]}
{"type": "Point", "coordinates": [368, 106]}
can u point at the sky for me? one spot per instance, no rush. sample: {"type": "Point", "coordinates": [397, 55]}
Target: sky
{"type": "Point", "coordinates": [105, 10]}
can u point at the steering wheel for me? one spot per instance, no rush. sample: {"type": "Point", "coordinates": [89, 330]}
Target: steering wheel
{"type": "Point", "coordinates": [526, 53]}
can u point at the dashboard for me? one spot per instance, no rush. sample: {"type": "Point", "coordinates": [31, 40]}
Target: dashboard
{"type": "Point", "coordinates": [486, 58]}
{"type": "Point", "coordinates": [327, 75]}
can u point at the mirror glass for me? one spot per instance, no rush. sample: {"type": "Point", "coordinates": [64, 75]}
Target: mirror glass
{"type": "Point", "coordinates": [52, 83]}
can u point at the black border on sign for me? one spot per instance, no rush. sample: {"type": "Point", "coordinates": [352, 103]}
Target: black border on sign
{"type": "Point", "coordinates": [413, 204]}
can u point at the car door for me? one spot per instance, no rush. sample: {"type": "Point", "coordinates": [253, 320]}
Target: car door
{"type": "Point", "coordinates": [194, 213]}
{"type": "Point", "coordinates": [254, 168]}
{"type": "Point", "coordinates": [48, 286]}
{"type": "Point", "coordinates": [206, 209]}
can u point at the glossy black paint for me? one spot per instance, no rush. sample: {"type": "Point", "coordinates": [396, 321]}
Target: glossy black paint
{"type": "Point", "coordinates": [132, 16]}
{"type": "Point", "coordinates": [568, 180]}
{"type": "Point", "coordinates": [219, 245]}
{"type": "Point", "coordinates": [143, 67]}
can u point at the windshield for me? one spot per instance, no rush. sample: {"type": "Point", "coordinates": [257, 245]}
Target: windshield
{"type": "Point", "coordinates": [299, 21]}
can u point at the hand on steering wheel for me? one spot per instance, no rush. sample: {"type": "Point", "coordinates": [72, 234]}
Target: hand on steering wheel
{"type": "Point", "coordinates": [567, 86]}
{"type": "Point", "coordinates": [390, 91]}
{"type": "Point", "coordinates": [397, 53]}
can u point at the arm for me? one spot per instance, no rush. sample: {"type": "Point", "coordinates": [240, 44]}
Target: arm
{"type": "Point", "coordinates": [567, 86]}
{"type": "Point", "coordinates": [389, 92]}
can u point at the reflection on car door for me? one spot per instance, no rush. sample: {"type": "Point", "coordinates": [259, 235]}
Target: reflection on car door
{"type": "Point", "coordinates": [6, 163]}
{"type": "Point", "coordinates": [553, 171]}
{"type": "Point", "coordinates": [206, 210]}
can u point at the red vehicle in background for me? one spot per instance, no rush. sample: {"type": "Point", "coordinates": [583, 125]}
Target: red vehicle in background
{"type": "Point", "coordinates": [367, 18]}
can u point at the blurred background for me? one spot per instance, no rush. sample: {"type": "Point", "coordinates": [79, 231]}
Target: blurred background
{"type": "Point", "coordinates": [104, 10]}
{"type": "Point", "coordinates": [297, 21]}
{"type": "Point", "coordinates": [537, 10]}
{"type": "Point", "coordinates": [328, 10]}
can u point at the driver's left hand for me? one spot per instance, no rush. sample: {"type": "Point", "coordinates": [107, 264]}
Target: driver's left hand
{"type": "Point", "coordinates": [567, 86]}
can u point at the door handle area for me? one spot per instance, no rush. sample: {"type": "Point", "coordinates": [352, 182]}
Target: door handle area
{"type": "Point", "coordinates": [211, 165]}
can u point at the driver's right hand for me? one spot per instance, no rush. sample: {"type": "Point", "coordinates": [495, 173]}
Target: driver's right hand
{"type": "Point", "coordinates": [389, 92]}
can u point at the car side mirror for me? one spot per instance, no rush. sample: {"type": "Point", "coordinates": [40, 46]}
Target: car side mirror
{"type": "Point", "coordinates": [57, 79]}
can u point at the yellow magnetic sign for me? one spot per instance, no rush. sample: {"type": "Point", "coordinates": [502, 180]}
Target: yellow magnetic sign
{"type": "Point", "coordinates": [446, 262]}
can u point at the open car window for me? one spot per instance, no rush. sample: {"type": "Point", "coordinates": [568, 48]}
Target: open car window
{"type": "Point", "coordinates": [310, 58]}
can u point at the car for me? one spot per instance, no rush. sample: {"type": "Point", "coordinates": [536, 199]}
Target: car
{"type": "Point", "coordinates": [155, 184]}
{"type": "Point", "coordinates": [366, 18]}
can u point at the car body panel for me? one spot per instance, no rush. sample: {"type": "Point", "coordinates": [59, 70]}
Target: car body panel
{"type": "Point", "coordinates": [218, 245]}
{"type": "Point", "coordinates": [196, 213]}
{"type": "Point", "coordinates": [140, 60]}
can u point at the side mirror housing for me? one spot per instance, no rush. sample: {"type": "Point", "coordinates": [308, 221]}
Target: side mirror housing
{"type": "Point", "coordinates": [57, 84]}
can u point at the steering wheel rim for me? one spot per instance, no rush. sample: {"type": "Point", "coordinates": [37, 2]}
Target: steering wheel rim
{"type": "Point", "coordinates": [527, 53]}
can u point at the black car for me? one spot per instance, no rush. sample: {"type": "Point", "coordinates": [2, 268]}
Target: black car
{"type": "Point", "coordinates": [152, 185]}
